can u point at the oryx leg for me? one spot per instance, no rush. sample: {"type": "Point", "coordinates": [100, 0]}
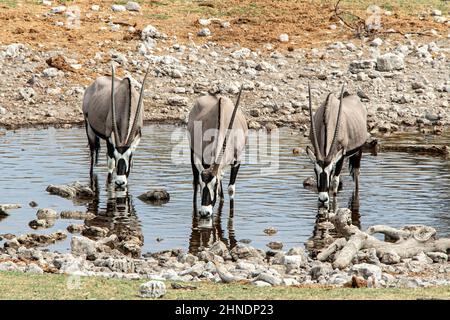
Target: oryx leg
{"type": "Point", "coordinates": [94, 146]}
{"type": "Point", "coordinates": [355, 165]}
{"type": "Point", "coordinates": [336, 178]}
{"type": "Point", "coordinates": [196, 169]}
{"type": "Point", "coordinates": [221, 197]}
{"type": "Point", "coordinates": [231, 186]}
{"type": "Point", "coordinates": [111, 160]}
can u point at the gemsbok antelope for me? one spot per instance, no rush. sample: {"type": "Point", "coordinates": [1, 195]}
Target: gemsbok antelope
{"type": "Point", "coordinates": [215, 118]}
{"type": "Point", "coordinates": [338, 130]}
{"type": "Point", "coordinates": [114, 114]}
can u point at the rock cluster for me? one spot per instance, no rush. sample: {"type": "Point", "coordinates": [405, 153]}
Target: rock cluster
{"type": "Point", "coordinates": [403, 79]}
{"type": "Point", "coordinates": [243, 264]}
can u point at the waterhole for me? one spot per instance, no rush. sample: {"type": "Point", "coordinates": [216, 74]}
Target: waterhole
{"type": "Point", "coordinates": [395, 189]}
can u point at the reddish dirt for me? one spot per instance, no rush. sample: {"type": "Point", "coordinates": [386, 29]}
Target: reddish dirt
{"type": "Point", "coordinates": [253, 23]}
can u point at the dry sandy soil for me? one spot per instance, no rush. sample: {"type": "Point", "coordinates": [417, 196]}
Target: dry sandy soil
{"type": "Point", "coordinates": [253, 24]}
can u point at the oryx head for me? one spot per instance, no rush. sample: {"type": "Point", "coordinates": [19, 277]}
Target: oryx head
{"type": "Point", "coordinates": [210, 177]}
{"type": "Point", "coordinates": [324, 165]}
{"type": "Point", "coordinates": [122, 152]}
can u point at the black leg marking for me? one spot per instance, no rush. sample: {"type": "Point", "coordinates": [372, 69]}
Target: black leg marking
{"type": "Point", "coordinates": [337, 173]}
{"type": "Point", "coordinates": [195, 181]}
{"type": "Point", "coordinates": [234, 171]}
{"type": "Point", "coordinates": [354, 166]}
{"type": "Point", "coordinates": [94, 146]}
{"type": "Point", "coordinates": [221, 197]}
{"type": "Point", "coordinates": [339, 166]}
{"type": "Point", "coordinates": [97, 149]}
{"type": "Point", "coordinates": [110, 154]}
{"type": "Point", "coordinates": [110, 149]}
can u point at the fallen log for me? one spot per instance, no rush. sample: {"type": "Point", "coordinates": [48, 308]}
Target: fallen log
{"type": "Point", "coordinates": [414, 148]}
{"type": "Point", "coordinates": [373, 146]}
{"type": "Point", "coordinates": [409, 241]}
{"type": "Point", "coordinates": [332, 248]}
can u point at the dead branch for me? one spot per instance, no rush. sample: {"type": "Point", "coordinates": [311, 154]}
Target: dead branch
{"type": "Point", "coordinates": [358, 27]}
{"type": "Point", "coordinates": [424, 149]}
{"type": "Point", "coordinates": [410, 240]}
{"type": "Point", "coordinates": [338, 244]}
{"type": "Point", "coordinates": [361, 29]}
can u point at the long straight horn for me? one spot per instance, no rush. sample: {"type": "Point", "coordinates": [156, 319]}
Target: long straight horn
{"type": "Point", "coordinates": [113, 108]}
{"type": "Point", "coordinates": [338, 123]}
{"type": "Point", "coordinates": [138, 110]}
{"type": "Point", "coordinates": [227, 134]}
{"type": "Point", "coordinates": [313, 127]}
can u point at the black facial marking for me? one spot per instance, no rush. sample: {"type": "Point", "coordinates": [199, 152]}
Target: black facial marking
{"type": "Point", "coordinates": [206, 197]}
{"type": "Point", "coordinates": [323, 182]}
{"type": "Point", "coordinates": [207, 177]}
{"type": "Point", "coordinates": [122, 150]}
{"type": "Point", "coordinates": [121, 167]}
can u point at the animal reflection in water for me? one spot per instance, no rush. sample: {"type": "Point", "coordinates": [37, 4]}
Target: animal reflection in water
{"type": "Point", "coordinates": [120, 219]}
{"type": "Point", "coordinates": [207, 230]}
{"type": "Point", "coordinates": [323, 232]}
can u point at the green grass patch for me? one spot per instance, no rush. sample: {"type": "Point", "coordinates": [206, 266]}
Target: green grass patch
{"type": "Point", "coordinates": [157, 3]}
{"type": "Point", "coordinates": [405, 6]}
{"type": "Point", "coordinates": [122, 2]}
{"type": "Point", "coordinates": [250, 10]}
{"type": "Point", "coordinates": [16, 3]}
{"type": "Point", "coordinates": [8, 3]}
{"type": "Point", "coordinates": [48, 286]}
{"type": "Point", "coordinates": [157, 16]}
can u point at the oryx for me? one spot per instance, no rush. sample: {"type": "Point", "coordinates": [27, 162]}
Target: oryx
{"type": "Point", "coordinates": [338, 130]}
{"type": "Point", "coordinates": [113, 111]}
{"type": "Point", "coordinates": [216, 118]}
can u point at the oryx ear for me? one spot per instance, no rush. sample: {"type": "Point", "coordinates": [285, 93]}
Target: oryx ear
{"type": "Point", "coordinates": [338, 155]}
{"type": "Point", "coordinates": [311, 154]}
